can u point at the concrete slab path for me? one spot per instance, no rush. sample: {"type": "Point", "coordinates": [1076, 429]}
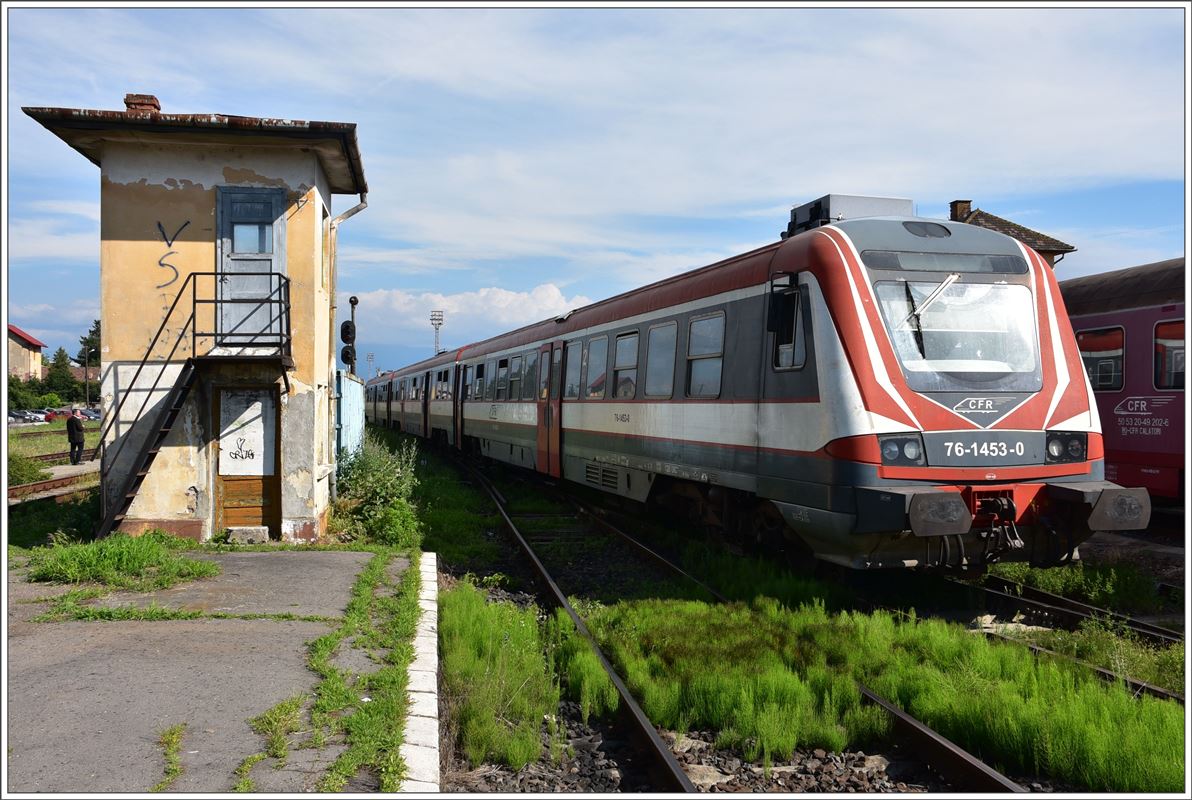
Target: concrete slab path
{"type": "Point", "coordinates": [87, 701]}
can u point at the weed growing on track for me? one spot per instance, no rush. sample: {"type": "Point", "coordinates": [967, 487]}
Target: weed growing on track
{"type": "Point", "coordinates": [171, 743]}
{"type": "Point", "coordinates": [455, 517]}
{"type": "Point", "coordinates": [1119, 650]}
{"type": "Point", "coordinates": [576, 662]}
{"type": "Point", "coordinates": [1120, 587]}
{"type": "Point", "coordinates": [22, 469]}
{"type": "Point", "coordinates": [770, 678]}
{"type": "Point", "coordinates": [139, 563]}
{"type": "Point", "coordinates": [496, 677]}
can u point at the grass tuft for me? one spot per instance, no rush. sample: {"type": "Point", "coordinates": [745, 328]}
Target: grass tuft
{"type": "Point", "coordinates": [171, 743]}
{"type": "Point", "coordinates": [1119, 587]}
{"type": "Point", "coordinates": [138, 563]}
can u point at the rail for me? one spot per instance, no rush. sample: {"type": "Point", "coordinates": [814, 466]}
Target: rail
{"type": "Point", "coordinates": [667, 768]}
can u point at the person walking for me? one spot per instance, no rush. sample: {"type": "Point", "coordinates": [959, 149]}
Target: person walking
{"type": "Point", "coordinates": [74, 435]}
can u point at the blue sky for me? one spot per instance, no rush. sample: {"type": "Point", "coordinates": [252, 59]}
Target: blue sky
{"type": "Point", "coordinates": [522, 162]}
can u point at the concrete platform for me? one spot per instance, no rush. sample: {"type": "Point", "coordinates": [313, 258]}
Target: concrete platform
{"type": "Point", "coordinates": [87, 701]}
{"type": "Point", "coordinates": [303, 583]}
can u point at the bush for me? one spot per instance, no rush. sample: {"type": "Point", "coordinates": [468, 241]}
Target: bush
{"type": "Point", "coordinates": [375, 484]}
{"type": "Point", "coordinates": [50, 400]}
{"type": "Point", "coordinates": [22, 469]}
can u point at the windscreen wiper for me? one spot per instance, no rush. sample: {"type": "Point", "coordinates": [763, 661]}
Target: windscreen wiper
{"type": "Point", "coordinates": [917, 311]}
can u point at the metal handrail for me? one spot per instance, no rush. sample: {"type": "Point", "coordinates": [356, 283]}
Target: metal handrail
{"type": "Point", "coordinates": [284, 338]}
{"type": "Point", "coordinates": [109, 424]}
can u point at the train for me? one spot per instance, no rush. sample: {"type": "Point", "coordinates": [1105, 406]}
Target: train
{"type": "Point", "coordinates": [879, 392]}
{"type": "Point", "coordinates": [1129, 326]}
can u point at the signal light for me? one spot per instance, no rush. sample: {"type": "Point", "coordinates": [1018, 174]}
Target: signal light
{"type": "Point", "coordinates": [347, 332]}
{"type": "Point", "coordinates": [348, 354]}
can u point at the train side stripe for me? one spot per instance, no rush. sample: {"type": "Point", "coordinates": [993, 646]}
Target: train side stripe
{"type": "Point", "coordinates": [876, 360]}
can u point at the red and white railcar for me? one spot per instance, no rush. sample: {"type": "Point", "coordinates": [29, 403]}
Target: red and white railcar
{"type": "Point", "coordinates": [888, 392]}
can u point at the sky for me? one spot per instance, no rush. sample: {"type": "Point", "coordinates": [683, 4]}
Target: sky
{"type": "Point", "coordinates": [524, 162]}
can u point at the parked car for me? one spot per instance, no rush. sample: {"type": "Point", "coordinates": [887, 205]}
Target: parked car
{"type": "Point", "coordinates": [91, 413]}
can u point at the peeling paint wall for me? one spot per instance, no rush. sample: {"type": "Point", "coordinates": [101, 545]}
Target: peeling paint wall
{"type": "Point", "coordinates": [157, 225]}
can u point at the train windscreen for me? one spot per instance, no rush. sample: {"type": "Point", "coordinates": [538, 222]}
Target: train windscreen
{"type": "Point", "coordinates": [956, 336]}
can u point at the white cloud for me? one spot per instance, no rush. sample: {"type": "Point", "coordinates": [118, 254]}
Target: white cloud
{"type": "Point", "coordinates": [50, 238]}
{"type": "Point", "coordinates": [76, 208]}
{"type": "Point", "coordinates": [80, 312]}
{"type": "Point", "coordinates": [392, 315]}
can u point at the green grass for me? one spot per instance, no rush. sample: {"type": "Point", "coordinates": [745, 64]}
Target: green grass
{"type": "Point", "coordinates": [50, 439]}
{"type": "Point", "coordinates": [769, 678]}
{"type": "Point", "coordinates": [139, 563]}
{"type": "Point", "coordinates": [455, 517]}
{"type": "Point", "coordinates": [1118, 587]}
{"type": "Point", "coordinates": [244, 773]}
{"type": "Point", "coordinates": [1106, 646]}
{"type": "Point", "coordinates": [277, 724]}
{"type": "Point", "coordinates": [495, 677]}
{"type": "Point", "coordinates": [22, 470]}
{"type": "Point", "coordinates": [583, 676]}
{"type": "Point", "coordinates": [171, 743]}
{"type": "Point", "coordinates": [381, 617]}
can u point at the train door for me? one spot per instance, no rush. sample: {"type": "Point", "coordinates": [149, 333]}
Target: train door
{"type": "Point", "coordinates": [427, 390]}
{"type": "Point", "coordinates": [788, 374]}
{"type": "Point", "coordinates": [550, 417]}
{"type": "Point", "coordinates": [389, 404]}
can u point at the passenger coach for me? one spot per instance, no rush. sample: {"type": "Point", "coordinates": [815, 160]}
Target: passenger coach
{"type": "Point", "coordinates": [887, 392]}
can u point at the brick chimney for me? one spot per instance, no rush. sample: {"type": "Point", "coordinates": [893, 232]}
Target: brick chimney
{"type": "Point", "coordinates": [141, 102]}
{"type": "Point", "coordinates": [960, 210]}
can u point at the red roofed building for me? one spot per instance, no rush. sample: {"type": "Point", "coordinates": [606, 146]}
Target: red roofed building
{"type": "Point", "coordinates": [24, 354]}
{"type": "Point", "coordinates": [1044, 245]}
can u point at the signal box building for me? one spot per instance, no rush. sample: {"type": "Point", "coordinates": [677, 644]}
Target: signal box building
{"type": "Point", "coordinates": [217, 302]}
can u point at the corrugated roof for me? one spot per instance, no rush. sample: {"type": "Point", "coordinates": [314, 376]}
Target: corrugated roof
{"type": "Point", "coordinates": [79, 127]}
{"type": "Point", "coordinates": [15, 331]}
{"type": "Point", "coordinates": [1154, 284]}
{"type": "Point", "coordinates": [1033, 239]}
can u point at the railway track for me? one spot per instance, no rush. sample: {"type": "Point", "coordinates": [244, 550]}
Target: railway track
{"type": "Point", "coordinates": [965, 771]}
{"type": "Point", "coordinates": [999, 594]}
{"type": "Point", "coordinates": [50, 458]}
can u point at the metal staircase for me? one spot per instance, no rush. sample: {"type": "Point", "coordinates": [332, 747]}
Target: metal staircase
{"type": "Point", "coordinates": [207, 345]}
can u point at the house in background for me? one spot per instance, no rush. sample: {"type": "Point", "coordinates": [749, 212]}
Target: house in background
{"type": "Point", "coordinates": [217, 303]}
{"type": "Point", "coordinates": [24, 354]}
{"type": "Point", "coordinates": [1052, 250]}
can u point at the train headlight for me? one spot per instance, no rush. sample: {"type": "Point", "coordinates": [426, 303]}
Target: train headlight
{"type": "Point", "coordinates": [902, 449]}
{"type": "Point", "coordinates": [1066, 447]}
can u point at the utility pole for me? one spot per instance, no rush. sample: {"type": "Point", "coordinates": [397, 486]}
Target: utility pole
{"type": "Point", "coordinates": [436, 322]}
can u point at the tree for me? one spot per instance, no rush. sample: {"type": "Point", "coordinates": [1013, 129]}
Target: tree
{"type": "Point", "coordinates": [59, 379]}
{"type": "Point", "coordinates": [20, 395]}
{"type": "Point", "coordinates": [89, 343]}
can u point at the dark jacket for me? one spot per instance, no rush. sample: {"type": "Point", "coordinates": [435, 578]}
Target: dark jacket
{"type": "Point", "coordinates": [74, 430]}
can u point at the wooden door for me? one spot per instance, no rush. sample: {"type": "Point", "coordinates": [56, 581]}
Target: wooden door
{"type": "Point", "coordinates": [248, 454]}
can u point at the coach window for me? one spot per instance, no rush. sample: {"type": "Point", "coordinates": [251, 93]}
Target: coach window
{"type": "Point", "coordinates": [790, 344]}
{"type": "Point", "coordinates": [466, 385]}
{"type": "Point", "coordinates": [625, 367]}
{"type": "Point", "coordinates": [660, 360]}
{"type": "Point", "coordinates": [1101, 351]}
{"type": "Point", "coordinates": [571, 385]}
{"type": "Point", "coordinates": [596, 368]}
{"type": "Point", "coordinates": [502, 377]}
{"type": "Point", "coordinates": [705, 353]}
{"type": "Point", "coordinates": [515, 376]}
{"type": "Point", "coordinates": [490, 389]}
{"type": "Point", "coordinates": [530, 381]}
{"type": "Point", "coordinates": [1169, 355]}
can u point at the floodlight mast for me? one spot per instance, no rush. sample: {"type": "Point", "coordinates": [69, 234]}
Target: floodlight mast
{"type": "Point", "coordinates": [436, 321]}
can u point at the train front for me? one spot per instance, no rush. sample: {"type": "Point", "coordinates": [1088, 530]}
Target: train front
{"type": "Point", "coordinates": [973, 436]}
